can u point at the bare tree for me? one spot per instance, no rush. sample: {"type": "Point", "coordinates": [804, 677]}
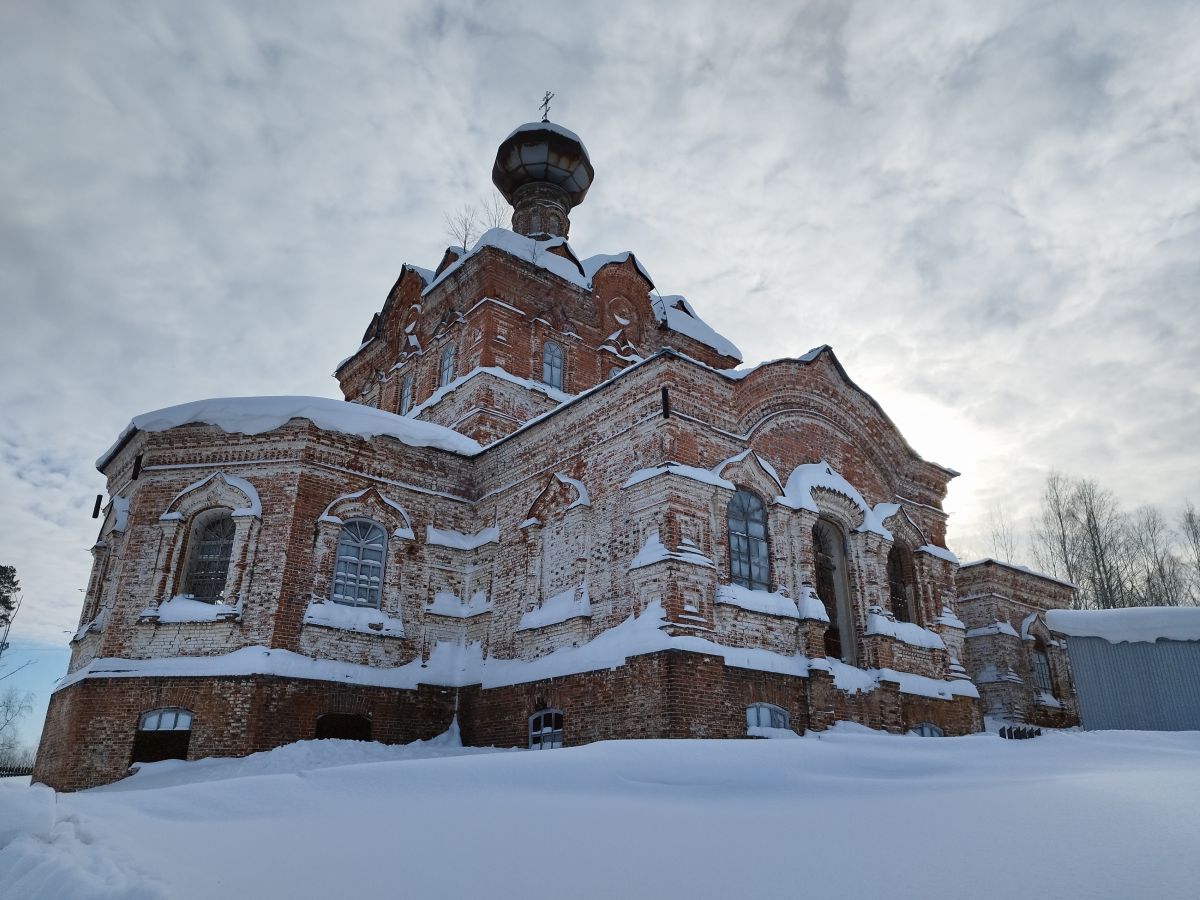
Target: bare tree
{"type": "Point", "coordinates": [1004, 537]}
{"type": "Point", "coordinates": [1104, 549]}
{"type": "Point", "coordinates": [1159, 576]}
{"type": "Point", "coordinates": [1190, 532]}
{"type": "Point", "coordinates": [1056, 541]}
{"type": "Point", "coordinates": [462, 226]}
{"type": "Point", "coordinates": [494, 211]}
{"type": "Point", "coordinates": [14, 706]}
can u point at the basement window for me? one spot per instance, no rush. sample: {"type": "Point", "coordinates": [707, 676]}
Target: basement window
{"type": "Point", "coordinates": [767, 715]}
{"type": "Point", "coordinates": [927, 729]}
{"type": "Point", "coordinates": [162, 734]}
{"type": "Point", "coordinates": [546, 729]}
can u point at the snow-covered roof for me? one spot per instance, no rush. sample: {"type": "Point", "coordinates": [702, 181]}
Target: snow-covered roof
{"type": "Point", "coordinates": [1143, 623]}
{"type": "Point", "coordinates": [987, 560]}
{"type": "Point", "coordinates": [255, 415]}
{"type": "Point", "coordinates": [809, 476]}
{"type": "Point", "coordinates": [677, 314]}
{"type": "Point", "coordinates": [496, 372]}
{"type": "Point", "coordinates": [594, 264]}
{"type": "Point", "coordinates": [532, 251]}
{"type": "Point", "coordinates": [548, 126]}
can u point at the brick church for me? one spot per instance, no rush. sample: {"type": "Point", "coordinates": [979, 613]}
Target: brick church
{"type": "Point", "coordinates": [552, 509]}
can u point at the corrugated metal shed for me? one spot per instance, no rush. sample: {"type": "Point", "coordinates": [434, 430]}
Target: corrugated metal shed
{"type": "Point", "coordinates": [1143, 685]}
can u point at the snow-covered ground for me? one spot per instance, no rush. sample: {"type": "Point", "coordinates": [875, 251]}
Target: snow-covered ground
{"type": "Point", "coordinates": [846, 814]}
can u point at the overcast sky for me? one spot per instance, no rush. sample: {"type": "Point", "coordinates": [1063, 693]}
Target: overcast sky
{"type": "Point", "coordinates": [990, 210]}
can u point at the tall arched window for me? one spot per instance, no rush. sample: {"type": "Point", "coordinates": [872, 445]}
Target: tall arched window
{"type": "Point", "coordinates": [446, 366]}
{"type": "Point", "coordinates": [829, 551]}
{"type": "Point", "coordinates": [899, 585]}
{"type": "Point", "coordinates": [1039, 664]}
{"type": "Point", "coordinates": [208, 560]}
{"type": "Point", "coordinates": [552, 364]}
{"type": "Point", "coordinates": [358, 576]}
{"type": "Point", "coordinates": [749, 563]}
{"type": "Point", "coordinates": [406, 394]}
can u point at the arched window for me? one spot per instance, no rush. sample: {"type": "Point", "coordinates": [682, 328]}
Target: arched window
{"type": "Point", "coordinates": [406, 394]}
{"type": "Point", "coordinates": [552, 364]}
{"type": "Point", "coordinates": [358, 576]}
{"type": "Point", "coordinates": [767, 715]}
{"type": "Point", "coordinates": [446, 366]}
{"type": "Point", "coordinates": [162, 734]}
{"type": "Point", "coordinates": [748, 561]}
{"type": "Point", "coordinates": [546, 729]}
{"type": "Point", "coordinates": [1039, 664]}
{"type": "Point", "coordinates": [615, 371]}
{"type": "Point", "coordinates": [899, 585]}
{"type": "Point", "coordinates": [208, 561]}
{"type": "Point", "coordinates": [927, 729]}
{"type": "Point", "coordinates": [829, 551]}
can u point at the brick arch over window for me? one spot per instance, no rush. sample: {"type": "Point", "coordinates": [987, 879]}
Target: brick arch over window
{"type": "Point", "coordinates": [221, 501]}
{"type": "Point", "coordinates": [368, 505]}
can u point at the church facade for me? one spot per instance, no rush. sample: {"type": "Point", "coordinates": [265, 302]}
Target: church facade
{"type": "Point", "coordinates": [550, 508]}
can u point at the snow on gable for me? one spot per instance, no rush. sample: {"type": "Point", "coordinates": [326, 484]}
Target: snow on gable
{"type": "Point", "coordinates": [360, 619]}
{"type": "Point", "coordinates": [594, 264]}
{"type": "Point", "coordinates": [994, 628]}
{"type": "Point", "coordinates": [1136, 625]}
{"type": "Point", "coordinates": [704, 476]}
{"type": "Point", "coordinates": [677, 314]}
{"type": "Point", "coordinates": [532, 251]}
{"type": "Point", "coordinates": [403, 532]}
{"type": "Point", "coordinates": [445, 603]}
{"type": "Point", "coordinates": [739, 374]}
{"type": "Point", "coordinates": [573, 603]}
{"type": "Point", "coordinates": [906, 632]}
{"type": "Point", "coordinates": [720, 467]}
{"type": "Point", "coordinates": [449, 388]}
{"type": "Point", "coordinates": [939, 552]}
{"type": "Point", "coordinates": [805, 478]}
{"type": "Point", "coordinates": [582, 499]}
{"type": "Point", "coordinates": [255, 415]}
{"type": "Point", "coordinates": [457, 540]}
{"type": "Point", "coordinates": [253, 509]}
{"type": "Point", "coordinates": [949, 619]}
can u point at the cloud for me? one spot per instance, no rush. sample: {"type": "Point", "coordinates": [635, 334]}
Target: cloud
{"type": "Point", "coordinates": [992, 213]}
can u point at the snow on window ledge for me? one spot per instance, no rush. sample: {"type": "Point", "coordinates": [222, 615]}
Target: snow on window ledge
{"type": "Point", "coordinates": [445, 603]}
{"type": "Point", "coordinates": [573, 603]}
{"type": "Point", "coordinates": [905, 632]}
{"type": "Point", "coordinates": [186, 608]}
{"type": "Point", "coordinates": [763, 731]}
{"type": "Point", "coordinates": [359, 619]}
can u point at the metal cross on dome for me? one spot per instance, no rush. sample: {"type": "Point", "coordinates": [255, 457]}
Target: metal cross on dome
{"type": "Point", "coordinates": [545, 107]}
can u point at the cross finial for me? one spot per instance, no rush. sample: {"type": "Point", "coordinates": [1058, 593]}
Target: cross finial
{"type": "Point", "coordinates": [546, 106]}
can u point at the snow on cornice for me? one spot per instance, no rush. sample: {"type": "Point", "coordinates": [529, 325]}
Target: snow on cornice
{"type": "Point", "coordinates": [255, 505]}
{"type": "Point", "coordinates": [403, 532]}
{"type": "Point", "coordinates": [457, 540]}
{"type": "Point", "coordinates": [255, 415]}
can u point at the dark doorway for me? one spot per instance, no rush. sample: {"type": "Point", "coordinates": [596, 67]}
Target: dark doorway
{"type": "Point", "coordinates": [344, 726]}
{"type": "Point", "coordinates": [162, 734]}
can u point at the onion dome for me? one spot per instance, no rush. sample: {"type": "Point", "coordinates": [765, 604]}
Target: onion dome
{"type": "Point", "coordinates": [543, 170]}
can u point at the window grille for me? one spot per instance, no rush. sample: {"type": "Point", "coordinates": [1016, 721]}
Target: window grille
{"type": "Point", "coordinates": [1040, 664]}
{"type": "Point", "coordinates": [749, 564]}
{"type": "Point", "coordinates": [767, 715]}
{"type": "Point", "coordinates": [446, 366]}
{"type": "Point", "coordinates": [898, 585]}
{"type": "Point", "coordinates": [552, 364]}
{"type": "Point", "coordinates": [546, 729]}
{"type": "Point", "coordinates": [209, 567]}
{"type": "Point", "coordinates": [406, 394]}
{"type": "Point", "coordinates": [358, 575]}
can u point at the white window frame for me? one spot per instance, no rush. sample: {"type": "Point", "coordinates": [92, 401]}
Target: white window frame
{"type": "Point", "coordinates": [553, 364]}
{"type": "Point", "coordinates": [169, 718]}
{"type": "Point", "coordinates": [543, 736]}
{"type": "Point", "coordinates": [767, 715]}
{"type": "Point", "coordinates": [446, 365]}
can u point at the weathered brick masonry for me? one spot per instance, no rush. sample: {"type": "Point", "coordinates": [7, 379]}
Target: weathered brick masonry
{"type": "Point", "coordinates": [614, 438]}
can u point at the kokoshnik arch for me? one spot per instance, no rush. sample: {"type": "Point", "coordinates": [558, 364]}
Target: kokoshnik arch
{"type": "Point", "coordinates": [550, 505]}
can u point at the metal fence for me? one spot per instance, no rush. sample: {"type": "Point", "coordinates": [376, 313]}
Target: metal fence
{"type": "Point", "coordinates": [15, 771]}
{"type": "Point", "coordinates": [1136, 685]}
